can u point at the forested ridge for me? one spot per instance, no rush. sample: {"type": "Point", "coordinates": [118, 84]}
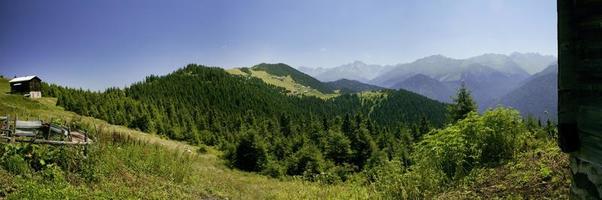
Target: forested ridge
{"type": "Point", "coordinates": [287, 134]}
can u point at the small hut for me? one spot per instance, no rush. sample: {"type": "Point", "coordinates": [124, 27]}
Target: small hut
{"type": "Point", "coordinates": [28, 85]}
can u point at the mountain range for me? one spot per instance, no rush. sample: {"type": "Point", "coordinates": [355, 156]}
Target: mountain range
{"type": "Point", "coordinates": [537, 97]}
{"type": "Point", "coordinates": [491, 77]}
{"type": "Point", "coordinates": [356, 70]}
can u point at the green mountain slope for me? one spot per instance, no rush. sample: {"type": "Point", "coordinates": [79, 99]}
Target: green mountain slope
{"type": "Point", "coordinates": [427, 86]}
{"type": "Point", "coordinates": [538, 97]}
{"type": "Point", "coordinates": [281, 132]}
{"type": "Point", "coordinates": [299, 83]}
{"type": "Point", "coordinates": [351, 86]}
{"type": "Point", "coordinates": [283, 70]}
{"type": "Point", "coordinates": [203, 93]}
{"type": "Point", "coordinates": [287, 82]}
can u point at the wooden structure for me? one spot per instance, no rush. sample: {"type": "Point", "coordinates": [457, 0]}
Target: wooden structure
{"type": "Point", "coordinates": [580, 93]}
{"type": "Point", "coordinates": [580, 77]}
{"type": "Point", "coordinates": [28, 85]}
{"type": "Point", "coordinates": [14, 130]}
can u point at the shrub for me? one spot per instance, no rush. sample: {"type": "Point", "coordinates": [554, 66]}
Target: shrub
{"type": "Point", "coordinates": [274, 169]}
{"type": "Point", "coordinates": [250, 153]}
{"type": "Point", "coordinates": [473, 141]}
{"type": "Point", "coordinates": [53, 174]}
{"type": "Point", "coordinates": [16, 165]}
{"type": "Point", "coordinates": [307, 161]}
{"type": "Point", "coordinates": [338, 147]}
{"type": "Point", "coordinates": [392, 181]}
{"type": "Point", "coordinates": [202, 149]}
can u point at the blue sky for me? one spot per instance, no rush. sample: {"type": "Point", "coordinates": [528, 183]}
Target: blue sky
{"type": "Point", "coordinates": [98, 44]}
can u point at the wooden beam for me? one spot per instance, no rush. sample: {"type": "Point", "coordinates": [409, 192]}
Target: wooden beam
{"type": "Point", "coordinates": [41, 141]}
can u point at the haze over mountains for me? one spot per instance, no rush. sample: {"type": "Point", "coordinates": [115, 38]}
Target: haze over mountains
{"type": "Point", "coordinates": [537, 96]}
{"type": "Point", "coordinates": [492, 78]}
{"type": "Point", "coordinates": [356, 70]}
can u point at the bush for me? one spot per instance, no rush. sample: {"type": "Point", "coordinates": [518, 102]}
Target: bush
{"type": "Point", "coordinates": [16, 165]}
{"type": "Point", "coordinates": [447, 155]}
{"type": "Point", "coordinates": [53, 174]}
{"type": "Point", "coordinates": [338, 147]}
{"type": "Point", "coordinates": [307, 161]}
{"type": "Point", "coordinates": [250, 153]}
{"type": "Point", "coordinates": [274, 169]}
{"type": "Point", "coordinates": [473, 141]}
{"type": "Point", "coordinates": [392, 181]}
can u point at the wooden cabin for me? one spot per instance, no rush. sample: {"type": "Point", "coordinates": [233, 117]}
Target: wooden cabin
{"type": "Point", "coordinates": [30, 86]}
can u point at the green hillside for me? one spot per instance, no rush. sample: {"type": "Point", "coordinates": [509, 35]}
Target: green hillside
{"type": "Point", "coordinates": [284, 70]}
{"type": "Point", "coordinates": [209, 106]}
{"type": "Point", "coordinates": [286, 82]}
{"type": "Point", "coordinates": [129, 164]}
{"type": "Point", "coordinates": [489, 156]}
{"type": "Point", "coordinates": [299, 83]}
{"type": "Point", "coordinates": [352, 86]}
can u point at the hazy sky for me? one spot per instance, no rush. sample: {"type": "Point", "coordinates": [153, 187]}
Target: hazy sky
{"type": "Point", "coordinates": [115, 42]}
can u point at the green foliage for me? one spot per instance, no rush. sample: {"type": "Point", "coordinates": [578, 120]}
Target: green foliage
{"type": "Point", "coordinates": [452, 156]}
{"type": "Point", "coordinates": [16, 164]}
{"type": "Point", "coordinates": [251, 153]}
{"type": "Point", "coordinates": [274, 169]}
{"type": "Point", "coordinates": [363, 146]}
{"type": "Point", "coordinates": [23, 158]}
{"type": "Point", "coordinates": [307, 162]}
{"type": "Point", "coordinates": [463, 104]}
{"type": "Point", "coordinates": [202, 149]}
{"type": "Point", "coordinates": [473, 141]}
{"type": "Point", "coordinates": [338, 147]}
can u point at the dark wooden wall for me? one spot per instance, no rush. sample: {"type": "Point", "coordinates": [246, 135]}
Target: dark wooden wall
{"type": "Point", "coordinates": [34, 84]}
{"type": "Point", "coordinates": [580, 78]}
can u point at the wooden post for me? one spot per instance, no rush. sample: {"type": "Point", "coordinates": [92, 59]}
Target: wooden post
{"type": "Point", "coordinates": [12, 136]}
{"type": "Point", "coordinates": [7, 127]}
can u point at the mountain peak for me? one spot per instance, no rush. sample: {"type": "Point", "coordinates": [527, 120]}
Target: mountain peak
{"type": "Point", "coordinates": [533, 62]}
{"type": "Point", "coordinates": [433, 59]}
{"type": "Point", "coordinates": [357, 62]}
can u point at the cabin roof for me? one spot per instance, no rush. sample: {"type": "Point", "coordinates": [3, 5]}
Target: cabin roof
{"type": "Point", "coordinates": [21, 79]}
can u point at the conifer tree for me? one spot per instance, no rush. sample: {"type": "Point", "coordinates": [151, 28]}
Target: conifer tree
{"type": "Point", "coordinates": [463, 104]}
